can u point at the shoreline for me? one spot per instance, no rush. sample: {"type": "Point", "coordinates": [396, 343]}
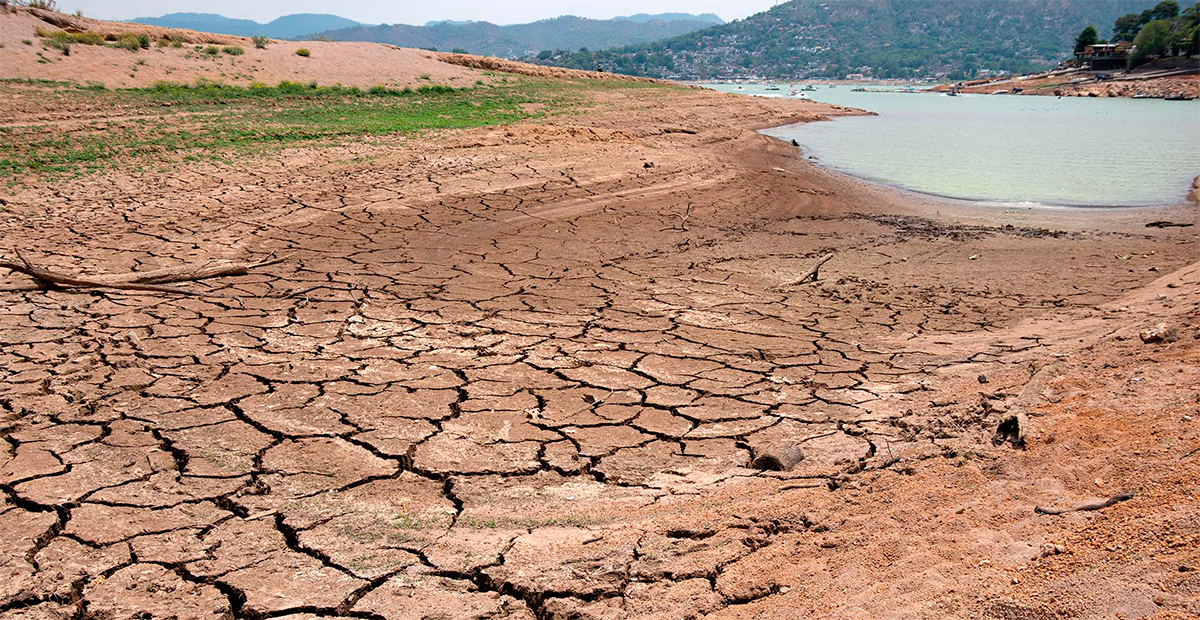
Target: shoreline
{"type": "Point", "coordinates": [1192, 195]}
{"type": "Point", "coordinates": [1189, 189]}
{"type": "Point", "coordinates": [926, 204]}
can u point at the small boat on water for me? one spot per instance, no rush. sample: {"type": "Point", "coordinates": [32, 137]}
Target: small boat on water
{"type": "Point", "coordinates": [1180, 96]}
{"type": "Point", "coordinates": [773, 87]}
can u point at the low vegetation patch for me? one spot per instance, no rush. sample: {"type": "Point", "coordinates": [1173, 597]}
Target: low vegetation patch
{"type": "Point", "coordinates": [233, 50]}
{"type": "Point", "coordinates": [303, 52]}
{"type": "Point", "coordinates": [212, 121]}
{"type": "Point", "coordinates": [260, 42]}
{"type": "Point", "coordinates": [63, 40]}
{"type": "Point", "coordinates": [128, 42]}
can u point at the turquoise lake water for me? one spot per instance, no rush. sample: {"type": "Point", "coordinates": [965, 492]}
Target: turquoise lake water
{"type": "Point", "coordinates": [1006, 148]}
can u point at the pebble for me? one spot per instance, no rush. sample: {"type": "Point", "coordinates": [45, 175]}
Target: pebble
{"type": "Point", "coordinates": [1159, 333]}
{"type": "Point", "coordinates": [1049, 549]}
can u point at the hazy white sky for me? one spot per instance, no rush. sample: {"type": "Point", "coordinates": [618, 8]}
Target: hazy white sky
{"type": "Point", "coordinates": [413, 11]}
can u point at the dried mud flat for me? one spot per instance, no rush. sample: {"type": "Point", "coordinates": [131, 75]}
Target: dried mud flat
{"type": "Point", "coordinates": [519, 372]}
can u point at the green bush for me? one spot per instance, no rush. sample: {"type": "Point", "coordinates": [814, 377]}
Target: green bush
{"type": "Point", "coordinates": [297, 88]}
{"type": "Point", "coordinates": [233, 50]}
{"type": "Point", "coordinates": [58, 40]}
{"type": "Point", "coordinates": [303, 52]}
{"type": "Point", "coordinates": [260, 42]}
{"type": "Point", "coordinates": [212, 50]}
{"type": "Point", "coordinates": [144, 41]}
{"type": "Point", "coordinates": [128, 42]}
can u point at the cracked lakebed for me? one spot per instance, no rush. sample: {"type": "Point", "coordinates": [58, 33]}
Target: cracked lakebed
{"type": "Point", "coordinates": [519, 372]}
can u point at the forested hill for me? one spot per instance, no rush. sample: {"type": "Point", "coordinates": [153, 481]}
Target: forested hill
{"type": "Point", "coordinates": [515, 41]}
{"type": "Point", "coordinates": [878, 38]}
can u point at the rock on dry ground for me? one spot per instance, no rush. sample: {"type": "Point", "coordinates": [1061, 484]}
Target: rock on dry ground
{"type": "Point", "coordinates": [503, 378]}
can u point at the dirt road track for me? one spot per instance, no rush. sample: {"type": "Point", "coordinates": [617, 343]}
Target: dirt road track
{"type": "Point", "coordinates": [500, 380]}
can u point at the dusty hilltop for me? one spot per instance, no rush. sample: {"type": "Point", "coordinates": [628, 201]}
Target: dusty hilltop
{"type": "Point", "coordinates": [509, 350]}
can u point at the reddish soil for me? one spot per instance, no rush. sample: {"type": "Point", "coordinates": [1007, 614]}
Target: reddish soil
{"type": "Point", "coordinates": [520, 372]}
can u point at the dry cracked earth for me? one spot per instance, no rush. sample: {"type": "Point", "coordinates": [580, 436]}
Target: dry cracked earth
{"type": "Point", "coordinates": [521, 372]}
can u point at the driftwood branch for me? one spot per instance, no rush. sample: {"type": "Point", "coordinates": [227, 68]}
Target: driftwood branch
{"type": "Point", "coordinates": [193, 272]}
{"type": "Point", "coordinates": [153, 280]}
{"type": "Point", "coordinates": [1096, 505]}
{"type": "Point", "coordinates": [811, 274]}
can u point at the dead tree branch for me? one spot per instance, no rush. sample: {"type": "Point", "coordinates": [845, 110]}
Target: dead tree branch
{"type": "Point", "coordinates": [152, 281]}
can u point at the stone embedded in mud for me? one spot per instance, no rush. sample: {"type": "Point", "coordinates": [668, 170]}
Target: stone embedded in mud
{"type": "Point", "coordinates": [1013, 430]}
{"type": "Point", "coordinates": [781, 456]}
{"type": "Point", "coordinates": [1159, 333]}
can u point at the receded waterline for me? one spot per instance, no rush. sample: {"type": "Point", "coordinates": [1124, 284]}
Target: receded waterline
{"type": "Point", "coordinates": [1006, 149]}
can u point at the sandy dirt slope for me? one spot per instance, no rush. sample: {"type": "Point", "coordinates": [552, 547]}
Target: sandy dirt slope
{"type": "Point", "coordinates": [349, 64]}
{"type": "Point", "coordinates": [520, 372]}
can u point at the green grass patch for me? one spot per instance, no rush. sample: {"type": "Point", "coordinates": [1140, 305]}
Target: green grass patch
{"type": "Point", "coordinates": [208, 121]}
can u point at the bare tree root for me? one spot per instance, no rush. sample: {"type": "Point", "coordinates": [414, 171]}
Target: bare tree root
{"type": "Point", "coordinates": [811, 274]}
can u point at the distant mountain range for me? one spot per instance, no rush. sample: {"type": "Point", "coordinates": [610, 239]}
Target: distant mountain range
{"type": "Point", "coordinates": [877, 38]}
{"type": "Point", "coordinates": [561, 33]}
{"type": "Point", "coordinates": [286, 27]}
{"type": "Point", "coordinates": [567, 32]}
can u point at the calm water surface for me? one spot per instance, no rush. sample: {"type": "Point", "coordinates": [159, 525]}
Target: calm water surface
{"type": "Point", "coordinates": [1045, 150]}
